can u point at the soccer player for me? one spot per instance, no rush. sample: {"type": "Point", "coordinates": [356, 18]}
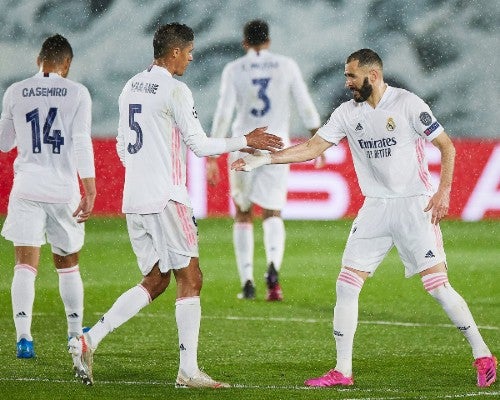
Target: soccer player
{"type": "Point", "coordinates": [48, 118]}
{"type": "Point", "coordinates": [158, 123]}
{"type": "Point", "coordinates": [260, 86]}
{"type": "Point", "coordinates": [386, 129]}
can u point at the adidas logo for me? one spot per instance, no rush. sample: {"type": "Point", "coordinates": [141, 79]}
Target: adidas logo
{"type": "Point", "coordinates": [429, 254]}
{"type": "Point", "coordinates": [338, 333]}
{"type": "Point", "coordinates": [359, 127]}
{"type": "Point", "coordinates": [73, 315]}
{"type": "Point", "coordinates": [181, 347]}
{"type": "Point", "coordinates": [21, 314]}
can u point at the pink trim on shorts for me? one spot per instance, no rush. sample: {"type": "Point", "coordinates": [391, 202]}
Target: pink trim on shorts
{"type": "Point", "coordinates": [146, 291]}
{"type": "Point", "coordinates": [434, 280]}
{"type": "Point", "coordinates": [187, 226]}
{"type": "Point", "coordinates": [422, 172]}
{"type": "Point", "coordinates": [350, 278]}
{"type": "Point", "coordinates": [439, 236]}
{"type": "Point", "coordinates": [176, 156]}
{"type": "Point", "coordinates": [26, 266]}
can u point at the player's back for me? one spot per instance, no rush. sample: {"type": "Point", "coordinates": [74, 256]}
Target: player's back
{"type": "Point", "coordinates": [263, 83]}
{"type": "Point", "coordinates": [150, 143]}
{"type": "Point", "coordinates": [45, 109]}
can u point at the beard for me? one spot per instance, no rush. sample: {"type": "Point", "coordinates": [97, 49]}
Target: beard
{"type": "Point", "coordinates": [363, 92]}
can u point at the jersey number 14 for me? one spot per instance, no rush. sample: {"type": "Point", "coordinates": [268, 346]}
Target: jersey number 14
{"type": "Point", "coordinates": [56, 139]}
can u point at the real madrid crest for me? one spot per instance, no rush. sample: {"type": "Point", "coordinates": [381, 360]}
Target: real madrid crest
{"type": "Point", "coordinates": [391, 125]}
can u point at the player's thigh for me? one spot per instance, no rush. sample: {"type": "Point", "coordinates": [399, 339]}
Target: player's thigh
{"type": "Point", "coordinates": [65, 235]}
{"type": "Point", "coordinates": [169, 238]}
{"type": "Point", "coordinates": [240, 184]}
{"type": "Point", "coordinates": [269, 186]}
{"type": "Point", "coordinates": [369, 240]}
{"type": "Point", "coordinates": [25, 223]}
{"type": "Point", "coordinates": [419, 242]}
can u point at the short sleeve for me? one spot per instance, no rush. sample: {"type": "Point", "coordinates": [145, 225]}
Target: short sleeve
{"type": "Point", "coordinates": [333, 131]}
{"type": "Point", "coordinates": [422, 119]}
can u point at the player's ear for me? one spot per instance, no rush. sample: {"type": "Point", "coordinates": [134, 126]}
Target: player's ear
{"type": "Point", "coordinates": [175, 52]}
{"type": "Point", "coordinates": [38, 62]}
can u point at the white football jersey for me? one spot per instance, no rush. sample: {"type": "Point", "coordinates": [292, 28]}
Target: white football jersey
{"type": "Point", "coordinates": [387, 142]}
{"type": "Point", "coordinates": [260, 86]}
{"type": "Point", "coordinates": [158, 122]}
{"type": "Point", "coordinates": [48, 118]}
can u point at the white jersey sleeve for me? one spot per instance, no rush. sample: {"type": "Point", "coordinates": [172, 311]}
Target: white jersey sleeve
{"type": "Point", "coordinates": [225, 105]}
{"type": "Point", "coordinates": [195, 138]}
{"type": "Point", "coordinates": [421, 118]}
{"type": "Point", "coordinates": [7, 131]}
{"type": "Point", "coordinates": [333, 130]}
{"type": "Point", "coordinates": [82, 122]}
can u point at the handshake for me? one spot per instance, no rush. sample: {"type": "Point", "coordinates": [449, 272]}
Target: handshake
{"type": "Point", "coordinates": [255, 159]}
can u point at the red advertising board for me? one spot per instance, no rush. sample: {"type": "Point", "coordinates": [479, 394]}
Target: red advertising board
{"type": "Point", "coordinates": [328, 193]}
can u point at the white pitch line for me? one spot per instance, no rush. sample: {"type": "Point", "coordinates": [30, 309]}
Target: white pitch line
{"type": "Point", "coordinates": [270, 387]}
{"type": "Point", "coordinates": [315, 321]}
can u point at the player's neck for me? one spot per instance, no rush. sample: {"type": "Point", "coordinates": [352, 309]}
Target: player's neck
{"type": "Point", "coordinates": [377, 94]}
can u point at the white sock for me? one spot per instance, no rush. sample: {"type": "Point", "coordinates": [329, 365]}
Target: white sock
{"type": "Point", "coordinates": [243, 250]}
{"type": "Point", "coordinates": [71, 291]}
{"type": "Point", "coordinates": [124, 308]}
{"type": "Point", "coordinates": [188, 317]}
{"type": "Point", "coordinates": [274, 240]}
{"type": "Point", "coordinates": [345, 318]}
{"type": "Point", "coordinates": [457, 310]}
{"type": "Point", "coordinates": [23, 296]}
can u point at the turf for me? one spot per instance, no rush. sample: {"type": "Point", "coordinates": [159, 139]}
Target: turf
{"type": "Point", "coordinates": [405, 347]}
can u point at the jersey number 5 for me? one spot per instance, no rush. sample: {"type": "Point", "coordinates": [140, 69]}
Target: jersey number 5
{"type": "Point", "coordinates": [262, 84]}
{"type": "Point", "coordinates": [134, 125]}
{"type": "Point", "coordinates": [56, 140]}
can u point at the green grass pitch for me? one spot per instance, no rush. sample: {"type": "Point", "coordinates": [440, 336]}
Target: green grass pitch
{"type": "Point", "coordinates": [405, 347]}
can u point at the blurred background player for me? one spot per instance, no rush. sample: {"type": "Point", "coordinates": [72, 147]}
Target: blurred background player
{"type": "Point", "coordinates": [260, 86]}
{"type": "Point", "coordinates": [48, 118]}
{"type": "Point", "coordinates": [158, 123]}
{"type": "Point", "coordinates": [386, 128]}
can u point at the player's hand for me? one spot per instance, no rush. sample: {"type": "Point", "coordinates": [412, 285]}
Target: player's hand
{"type": "Point", "coordinates": [252, 161]}
{"type": "Point", "coordinates": [82, 213]}
{"type": "Point", "coordinates": [260, 139]}
{"type": "Point", "coordinates": [213, 174]}
{"type": "Point", "coordinates": [320, 161]}
{"type": "Point", "coordinates": [439, 204]}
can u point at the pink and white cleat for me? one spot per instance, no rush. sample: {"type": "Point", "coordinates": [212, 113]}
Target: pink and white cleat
{"type": "Point", "coordinates": [486, 370]}
{"type": "Point", "coordinates": [331, 378]}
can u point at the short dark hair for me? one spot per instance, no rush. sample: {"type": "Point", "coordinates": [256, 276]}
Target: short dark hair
{"type": "Point", "coordinates": [256, 32]}
{"type": "Point", "coordinates": [366, 57]}
{"type": "Point", "coordinates": [170, 36]}
{"type": "Point", "coordinates": [55, 49]}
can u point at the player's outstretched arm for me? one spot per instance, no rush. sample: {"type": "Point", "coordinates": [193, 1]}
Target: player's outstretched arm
{"type": "Point", "coordinates": [302, 152]}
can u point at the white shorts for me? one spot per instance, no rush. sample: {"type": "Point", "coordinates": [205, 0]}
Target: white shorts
{"type": "Point", "coordinates": [33, 223]}
{"type": "Point", "coordinates": [265, 186]}
{"type": "Point", "coordinates": [401, 222]}
{"type": "Point", "coordinates": [170, 237]}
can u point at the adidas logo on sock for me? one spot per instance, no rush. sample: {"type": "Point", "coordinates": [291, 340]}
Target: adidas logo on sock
{"type": "Point", "coordinates": [181, 347]}
{"type": "Point", "coordinates": [429, 254]}
{"type": "Point", "coordinates": [21, 314]}
{"type": "Point", "coordinates": [73, 315]}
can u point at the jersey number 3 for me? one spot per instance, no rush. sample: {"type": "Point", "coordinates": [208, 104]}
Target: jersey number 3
{"type": "Point", "coordinates": [56, 140]}
{"type": "Point", "coordinates": [262, 84]}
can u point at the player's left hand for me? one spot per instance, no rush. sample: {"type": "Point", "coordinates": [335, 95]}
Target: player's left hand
{"type": "Point", "coordinates": [439, 204]}
{"type": "Point", "coordinates": [82, 213]}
